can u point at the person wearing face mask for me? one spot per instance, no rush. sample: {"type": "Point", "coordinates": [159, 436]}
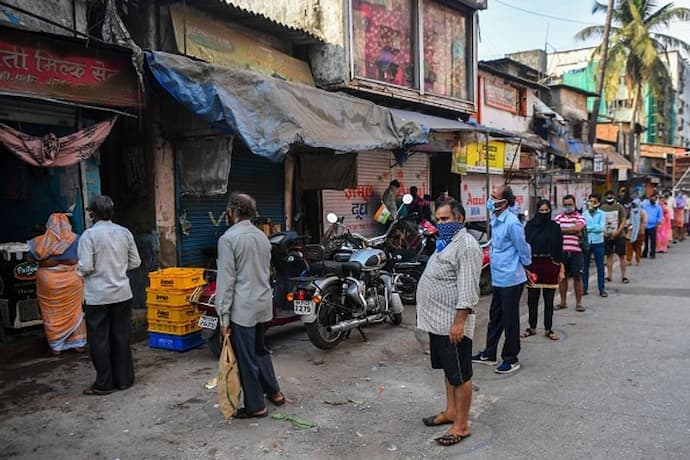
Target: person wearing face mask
{"type": "Point", "coordinates": [572, 223]}
{"type": "Point", "coordinates": [596, 226]}
{"type": "Point", "coordinates": [614, 236]}
{"type": "Point", "coordinates": [636, 233]}
{"type": "Point", "coordinates": [679, 216]}
{"type": "Point", "coordinates": [546, 240]}
{"type": "Point", "coordinates": [447, 294]}
{"type": "Point", "coordinates": [655, 216]}
{"type": "Point", "coordinates": [244, 304]}
{"type": "Point", "coordinates": [510, 255]}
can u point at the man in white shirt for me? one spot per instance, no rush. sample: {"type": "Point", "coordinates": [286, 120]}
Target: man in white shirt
{"type": "Point", "coordinates": [106, 252]}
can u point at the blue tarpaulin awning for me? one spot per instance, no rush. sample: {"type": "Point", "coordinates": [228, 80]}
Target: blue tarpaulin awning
{"type": "Point", "coordinates": [272, 115]}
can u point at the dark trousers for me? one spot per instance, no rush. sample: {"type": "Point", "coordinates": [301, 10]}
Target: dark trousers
{"type": "Point", "coordinates": [504, 315]}
{"type": "Point", "coordinates": [256, 366]}
{"type": "Point", "coordinates": [533, 305]}
{"type": "Point", "coordinates": [650, 242]}
{"type": "Point", "coordinates": [108, 328]}
{"type": "Point", "coordinates": [597, 250]}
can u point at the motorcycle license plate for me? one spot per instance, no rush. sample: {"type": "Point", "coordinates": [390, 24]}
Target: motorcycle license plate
{"type": "Point", "coordinates": [208, 322]}
{"type": "Point", "coordinates": [304, 307]}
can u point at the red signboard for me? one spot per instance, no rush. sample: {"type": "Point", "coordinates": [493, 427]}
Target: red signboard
{"type": "Point", "coordinates": [32, 64]}
{"type": "Point", "coordinates": [500, 96]}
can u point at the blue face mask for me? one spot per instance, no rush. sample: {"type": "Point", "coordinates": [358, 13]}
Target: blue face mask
{"type": "Point", "coordinates": [446, 232]}
{"type": "Point", "coordinates": [491, 205]}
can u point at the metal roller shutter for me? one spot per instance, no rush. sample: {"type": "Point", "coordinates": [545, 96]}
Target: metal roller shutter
{"type": "Point", "coordinates": [249, 174]}
{"type": "Point", "coordinates": [374, 172]}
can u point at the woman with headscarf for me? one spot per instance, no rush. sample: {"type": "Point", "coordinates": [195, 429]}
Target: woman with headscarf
{"type": "Point", "coordinates": [545, 237]}
{"type": "Point", "coordinates": [58, 287]}
{"type": "Point", "coordinates": [636, 230]}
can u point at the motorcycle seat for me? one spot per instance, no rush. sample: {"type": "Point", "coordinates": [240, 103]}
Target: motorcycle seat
{"type": "Point", "coordinates": [407, 265]}
{"type": "Point", "coordinates": [337, 268]}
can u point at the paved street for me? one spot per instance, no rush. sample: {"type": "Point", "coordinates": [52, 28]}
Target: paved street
{"type": "Point", "coordinates": [615, 386]}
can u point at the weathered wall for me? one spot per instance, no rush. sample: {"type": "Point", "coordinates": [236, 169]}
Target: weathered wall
{"type": "Point", "coordinates": [534, 58]}
{"type": "Point", "coordinates": [500, 118]}
{"type": "Point", "coordinates": [69, 13]}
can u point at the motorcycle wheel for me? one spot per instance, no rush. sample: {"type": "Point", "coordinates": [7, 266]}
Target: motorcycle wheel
{"type": "Point", "coordinates": [328, 316]}
{"type": "Point", "coordinates": [485, 282]}
{"type": "Point", "coordinates": [215, 344]}
{"type": "Point", "coordinates": [407, 287]}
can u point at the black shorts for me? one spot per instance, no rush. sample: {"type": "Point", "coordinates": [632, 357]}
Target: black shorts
{"type": "Point", "coordinates": [573, 263]}
{"type": "Point", "coordinates": [614, 245]}
{"type": "Point", "coordinates": [454, 359]}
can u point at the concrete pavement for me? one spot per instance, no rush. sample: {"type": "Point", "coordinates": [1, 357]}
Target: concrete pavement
{"type": "Point", "coordinates": [615, 386]}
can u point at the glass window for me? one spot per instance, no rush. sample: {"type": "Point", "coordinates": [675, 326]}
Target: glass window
{"type": "Point", "coordinates": [382, 41]}
{"type": "Point", "coordinates": [446, 51]}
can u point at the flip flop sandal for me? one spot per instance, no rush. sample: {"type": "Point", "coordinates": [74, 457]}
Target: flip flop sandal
{"type": "Point", "coordinates": [625, 281]}
{"type": "Point", "coordinates": [431, 420]}
{"type": "Point", "coordinates": [451, 439]}
{"type": "Point", "coordinates": [278, 402]}
{"type": "Point", "coordinates": [242, 413]}
{"type": "Point", "coordinates": [608, 279]}
{"type": "Point", "coordinates": [552, 335]}
{"type": "Point", "coordinates": [91, 391]}
{"type": "Point", "coordinates": [560, 307]}
{"type": "Point", "coordinates": [579, 308]}
{"type": "Point", "coordinates": [529, 332]}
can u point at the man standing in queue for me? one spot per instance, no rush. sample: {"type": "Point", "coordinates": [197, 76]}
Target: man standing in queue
{"type": "Point", "coordinates": [244, 304]}
{"type": "Point", "coordinates": [510, 254]}
{"type": "Point", "coordinates": [447, 293]}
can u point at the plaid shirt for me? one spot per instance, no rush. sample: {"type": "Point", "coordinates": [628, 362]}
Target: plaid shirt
{"type": "Point", "coordinates": [450, 283]}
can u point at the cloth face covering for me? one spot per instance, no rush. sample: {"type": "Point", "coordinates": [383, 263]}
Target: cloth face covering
{"type": "Point", "coordinates": [446, 232]}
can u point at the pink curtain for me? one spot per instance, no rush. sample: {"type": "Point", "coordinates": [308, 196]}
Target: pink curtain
{"type": "Point", "coordinates": [52, 151]}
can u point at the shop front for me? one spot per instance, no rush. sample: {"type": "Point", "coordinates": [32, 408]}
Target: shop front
{"type": "Point", "coordinates": [59, 101]}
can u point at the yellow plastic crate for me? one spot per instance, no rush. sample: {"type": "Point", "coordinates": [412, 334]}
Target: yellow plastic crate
{"type": "Point", "coordinates": [172, 314]}
{"type": "Point", "coordinates": [168, 297]}
{"type": "Point", "coordinates": [167, 327]}
{"type": "Point", "coordinates": [177, 278]}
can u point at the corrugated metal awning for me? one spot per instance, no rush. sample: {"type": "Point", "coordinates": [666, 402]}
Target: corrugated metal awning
{"type": "Point", "coordinates": [613, 158]}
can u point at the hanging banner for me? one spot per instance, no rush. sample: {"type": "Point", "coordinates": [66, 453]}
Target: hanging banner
{"type": "Point", "coordinates": [200, 36]}
{"type": "Point", "coordinates": [36, 65]}
{"type": "Point", "coordinates": [472, 157]}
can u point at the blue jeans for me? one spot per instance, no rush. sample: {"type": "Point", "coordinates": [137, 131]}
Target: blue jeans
{"type": "Point", "coordinates": [598, 251]}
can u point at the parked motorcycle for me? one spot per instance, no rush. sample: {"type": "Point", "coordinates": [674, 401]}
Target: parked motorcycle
{"type": "Point", "coordinates": [479, 231]}
{"type": "Point", "coordinates": [287, 263]}
{"type": "Point", "coordinates": [347, 293]}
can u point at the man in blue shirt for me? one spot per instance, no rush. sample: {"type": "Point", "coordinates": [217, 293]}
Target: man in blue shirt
{"type": "Point", "coordinates": [654, 217]}
{"type": "Point", "coordinates": [510, 254]}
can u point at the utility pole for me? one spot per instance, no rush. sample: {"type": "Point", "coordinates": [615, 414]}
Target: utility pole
{"type": "Point", "coordinates": [602, 74]}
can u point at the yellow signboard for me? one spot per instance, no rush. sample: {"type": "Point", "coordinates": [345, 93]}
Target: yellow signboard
{"type": "Point", "coordinates": [200, 36]}
{"type": "Point", "coordinates": [472, 157]}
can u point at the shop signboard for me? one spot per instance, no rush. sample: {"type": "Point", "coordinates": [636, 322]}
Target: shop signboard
{"type": "Point", "coordinates": [472, 157]}
{"type": "Point", "coordinates": [474, 195]}
{"type": "Point", "coordinates": [500, 96]}
{"type": "Point", "coordinates": [200, 36]}
{"type": "Point", "coordinates": [36, 65]}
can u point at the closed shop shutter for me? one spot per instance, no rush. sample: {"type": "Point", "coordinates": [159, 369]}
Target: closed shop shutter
{"type": "Point", "coordinates": [359, 204]}
{"type": "Point", "coordinates": [249, 174]}
{"type": "Point", "coordinates": [580, 190]}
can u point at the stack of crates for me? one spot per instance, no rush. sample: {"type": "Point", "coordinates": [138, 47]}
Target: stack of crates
{"type": "Point", "coordinates": [173, 320]}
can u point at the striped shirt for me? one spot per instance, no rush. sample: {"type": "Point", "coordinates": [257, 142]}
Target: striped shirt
{"type": "Point", "coordinates": [571, 243]}
{"type": "Point", "coordinates": [106, 252]}
{"type": "Point", "coordinates": [450, 283]}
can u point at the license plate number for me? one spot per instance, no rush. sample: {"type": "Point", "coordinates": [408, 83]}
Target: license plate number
{"type": "Point", "coordinates": [304, 307]}
{"type": "Point", "coordinates": [208, 322]}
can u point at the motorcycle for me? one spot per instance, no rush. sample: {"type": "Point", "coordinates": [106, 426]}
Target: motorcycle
{"type": "Point", "coordinates": [479, 231]}
{"type": "Point", "coordinates": [287, 264]}
{"type": "Point", "coordinates": [349, 292]}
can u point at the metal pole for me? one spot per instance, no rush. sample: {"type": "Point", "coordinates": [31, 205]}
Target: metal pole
{"type": "Point", "coordinates": [488, 183]}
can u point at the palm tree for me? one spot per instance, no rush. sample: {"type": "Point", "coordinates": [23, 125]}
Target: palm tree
{"type": "Point", "coordinates": [637, 47]}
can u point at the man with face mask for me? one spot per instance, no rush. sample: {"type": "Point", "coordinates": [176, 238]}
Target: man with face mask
{"type": "Point", "coordinates": [614, 237]}
{"type": "Point", "coordinates": [447, 294]}
{"type": "Point", "coordinates": [510, 254]}
{"type": "Point", "coordinates": [572, 223]}
{"type": "Point", "coordinates": [244, 304]}
{"type": "Point", "coordinates": [654, 217]}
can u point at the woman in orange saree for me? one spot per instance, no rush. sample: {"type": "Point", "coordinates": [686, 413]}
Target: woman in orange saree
{"type": "Point", "coordinates": [58, 287]}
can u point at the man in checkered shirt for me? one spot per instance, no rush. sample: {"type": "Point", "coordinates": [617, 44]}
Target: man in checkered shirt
{"type": "Point", "coordinates": [446, 296]}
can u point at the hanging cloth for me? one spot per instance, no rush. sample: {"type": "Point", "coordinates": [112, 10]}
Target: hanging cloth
{"type": "Point", "coordinates": [52, 151]}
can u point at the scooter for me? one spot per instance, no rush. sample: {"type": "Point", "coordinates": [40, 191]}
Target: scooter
{"type": "Point", "coordinates": [287, 263]}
